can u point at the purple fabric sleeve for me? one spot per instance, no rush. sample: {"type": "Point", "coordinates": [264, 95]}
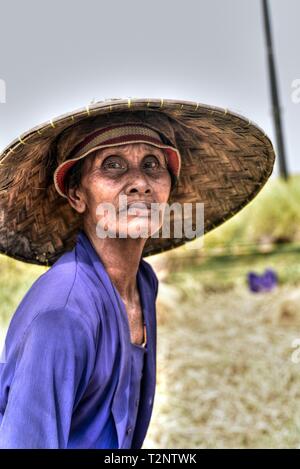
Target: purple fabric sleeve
{"type": "Point", "coordinates": [53, 365]}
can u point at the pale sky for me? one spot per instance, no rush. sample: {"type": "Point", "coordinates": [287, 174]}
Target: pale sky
{"type": "Point", "coordinates": [58, 56]}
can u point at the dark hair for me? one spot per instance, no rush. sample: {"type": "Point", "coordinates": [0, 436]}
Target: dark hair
{"type": "Point", "coordinates": [174, 182]}
{"type": "Point", "coordinates": [73, 177]}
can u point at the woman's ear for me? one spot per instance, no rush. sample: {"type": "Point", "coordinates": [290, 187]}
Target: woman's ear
{"type": "Point", "coordinates": [76, 198]}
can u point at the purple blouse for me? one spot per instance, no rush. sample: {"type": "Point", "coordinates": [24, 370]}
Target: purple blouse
{"type": "Point", "coordinates": [71, 377]}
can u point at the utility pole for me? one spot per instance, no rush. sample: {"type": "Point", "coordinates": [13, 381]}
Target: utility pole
{"type": "Point", "coordinates": [274, 92]}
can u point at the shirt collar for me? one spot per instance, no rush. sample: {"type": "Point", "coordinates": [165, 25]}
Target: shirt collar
{"type": "Point", "coordinates": [94, 258]}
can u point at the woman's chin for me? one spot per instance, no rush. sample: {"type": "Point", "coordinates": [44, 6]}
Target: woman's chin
{"type": "Point", "coordinates": [138, 228]}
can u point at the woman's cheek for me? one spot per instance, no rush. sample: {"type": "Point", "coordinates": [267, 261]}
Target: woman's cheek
{"type": "Point", "coordinates": [164, 187]}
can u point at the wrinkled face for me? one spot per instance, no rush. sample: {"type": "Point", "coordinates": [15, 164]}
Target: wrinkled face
{"type": "Point", "coordinates": [137, 171]}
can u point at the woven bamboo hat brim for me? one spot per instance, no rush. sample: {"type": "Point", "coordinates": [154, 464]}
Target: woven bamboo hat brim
{"type": "Point", "coordinates": [225, 161]}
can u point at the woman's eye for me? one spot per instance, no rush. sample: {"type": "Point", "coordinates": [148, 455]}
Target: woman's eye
{"type": "Point", "coordinates": [152, 162]}
{"type": "Point", "coordinates": [113, 163]}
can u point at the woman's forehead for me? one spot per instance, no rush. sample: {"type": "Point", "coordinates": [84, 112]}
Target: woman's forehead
{"type": "Point", "coordinates": [125, 149]}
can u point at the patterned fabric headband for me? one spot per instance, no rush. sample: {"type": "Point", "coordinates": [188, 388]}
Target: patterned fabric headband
{"type": "Point", "coordinates": [113, 136]}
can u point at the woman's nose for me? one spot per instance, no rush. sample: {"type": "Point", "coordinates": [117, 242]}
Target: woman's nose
{"type": "Point", "coordinates": [137, 182]}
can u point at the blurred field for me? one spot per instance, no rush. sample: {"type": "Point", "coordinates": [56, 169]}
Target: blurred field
{"type": "Point", "coordinates": [225, 378]}
{"type": "Point", "coordinates": [225, 374]}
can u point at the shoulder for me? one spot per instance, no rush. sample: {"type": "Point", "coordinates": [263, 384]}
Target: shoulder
{"type": "Point", "coordinates": [61, 328]}
{"type": "Point", "coordinates": [51, 303]}
{"type": "Point", "coordinates": [51, 290]}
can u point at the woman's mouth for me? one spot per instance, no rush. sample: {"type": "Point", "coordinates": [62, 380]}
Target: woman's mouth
{"type": "Point", "coordinates": [139, 209]}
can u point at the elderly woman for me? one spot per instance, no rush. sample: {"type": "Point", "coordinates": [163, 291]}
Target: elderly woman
{"type": "Point", "coordinates": [80, 352]}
